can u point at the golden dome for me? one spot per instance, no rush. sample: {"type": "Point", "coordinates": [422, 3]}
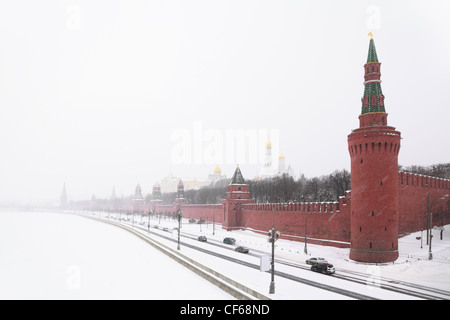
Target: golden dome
{"type": "Point", "coordinates": [268, 144]}
{"type": "Point", "coordinates": [217, 170]}
{"type": "Point", "coordinates": [280, 156]}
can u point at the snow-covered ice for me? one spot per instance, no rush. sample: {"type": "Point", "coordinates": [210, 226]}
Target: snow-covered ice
{"type": "Point", "coordinates": [47, 255]}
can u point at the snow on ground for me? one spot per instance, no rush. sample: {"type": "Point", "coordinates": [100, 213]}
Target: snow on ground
{"type": "Point", "coordinates": [64, 256]}
{"type": "Point", "coordinates": [412, 266]}
{"type": "Point", "coordinates": [54, 256]}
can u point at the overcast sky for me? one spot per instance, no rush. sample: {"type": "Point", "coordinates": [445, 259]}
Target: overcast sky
{"type": "Point", "coordinates": [103, 94]}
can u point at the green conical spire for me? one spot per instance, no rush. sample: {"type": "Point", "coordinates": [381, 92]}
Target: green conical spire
{"type": "Point", "coordinates": [373, 98]}
{"type": "Point", "coordinates": [372, 56]}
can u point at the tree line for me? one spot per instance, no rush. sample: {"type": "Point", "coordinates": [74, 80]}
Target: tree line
{"type": "Point", "coordinates": [440, 170]}
{"type": "Point", "coordinates": [283, 188]}
{"type": "Point", "coordinates": [286, 188]}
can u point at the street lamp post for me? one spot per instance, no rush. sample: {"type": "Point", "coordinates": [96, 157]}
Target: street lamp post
{"type": "Point", "coordinates": [273, 236]}
{"type": "Point", "coordinates": [306, 238]}
{"type": "Point", "coordinates": [179, 214]}
{"type": "Point", "coordinates": [214, 219]}
{"type": "Point", "coordinates": [149, 212]}
{"type": "Point", "coordinates": [430, 253]}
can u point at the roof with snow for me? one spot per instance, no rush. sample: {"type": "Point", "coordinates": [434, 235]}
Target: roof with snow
{"type": "Point", "coordinates": [237, 177]}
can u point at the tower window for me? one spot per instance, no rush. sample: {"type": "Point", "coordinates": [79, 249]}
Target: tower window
{"type": "Point", "coordinates": [373, 213]}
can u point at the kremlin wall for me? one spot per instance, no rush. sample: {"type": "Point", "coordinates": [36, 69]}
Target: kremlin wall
{"type": "Point", "coordinates": [327, 223]}
{"type": "Point", "coordinates": [382, 205]}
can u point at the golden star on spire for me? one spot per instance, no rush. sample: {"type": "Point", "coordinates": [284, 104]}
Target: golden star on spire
{"type": "Point", "coordinates": [371, 35]}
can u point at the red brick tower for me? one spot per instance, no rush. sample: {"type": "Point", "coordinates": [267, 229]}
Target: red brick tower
{"type": "Point", "coordinates": [180, 195]}
{"type": "Point", "coordinates": [374, 148]}
{"type": "Point", "coordinates": [138, 199]}
{"type": "Point", "coordinates": [156, 198]}
{"type": "Point", "coordinates": [237, 194]}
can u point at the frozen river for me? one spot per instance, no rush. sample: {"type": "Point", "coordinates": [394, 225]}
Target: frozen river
{"type": "Point", "coordinates": [47, 255]}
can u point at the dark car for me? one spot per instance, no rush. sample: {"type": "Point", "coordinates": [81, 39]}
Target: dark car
{"type": "Point", "coordinates": [325, 268]}
{"type": "Point", "coordinates": [229, 240]}
{"type": "Point", "coordinates": [202, 239]}
{"type": "Point", "coordinates": [241, 249]}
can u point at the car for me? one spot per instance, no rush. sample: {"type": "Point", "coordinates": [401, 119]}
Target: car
{"type": "Point", "coordinates": [202, 239]}
{"type": "Point", "coordinates": [229, 240]}
{"type": "Point", "coordinates": [241, 249]}
{"type": "Point", "coordinates": [315, 260]}
{"type": "Point", "coordinates": [325, 268]}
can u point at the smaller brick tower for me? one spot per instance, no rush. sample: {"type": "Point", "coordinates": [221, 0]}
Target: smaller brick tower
{"type": "Point", "coordinates": [180, 195]}
{"type": "Point", "coordinates": [156, 198]}
{"type": "Point", "coordinates": [138, 199]}
{"type": "Point", "coordinates": [374, 148]}
{"type": "Point", "coordinates": [156, 192]}
{"type": "Point", "coordinates": [237, 194]}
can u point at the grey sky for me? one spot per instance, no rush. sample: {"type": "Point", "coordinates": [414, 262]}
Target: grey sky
{"type": "Point", "coordinates": [95, 93]}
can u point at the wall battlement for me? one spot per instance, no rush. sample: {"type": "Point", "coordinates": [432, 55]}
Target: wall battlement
{"type": "Point", "coordinates": [423, 181]}
{"type": "Point", "coordinates": [301, 207]}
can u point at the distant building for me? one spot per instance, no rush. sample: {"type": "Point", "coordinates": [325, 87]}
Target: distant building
{"type": "Point", "coordinates": [63, 198]}
{"type": "Point", "coordinates": [268, 169]}
{"type": "Point", "coordinates": [170, 182]}
{"type": "Point", "coordinates": [282, 167]}
{"type": "Point", "coordinates": [216, 175]}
